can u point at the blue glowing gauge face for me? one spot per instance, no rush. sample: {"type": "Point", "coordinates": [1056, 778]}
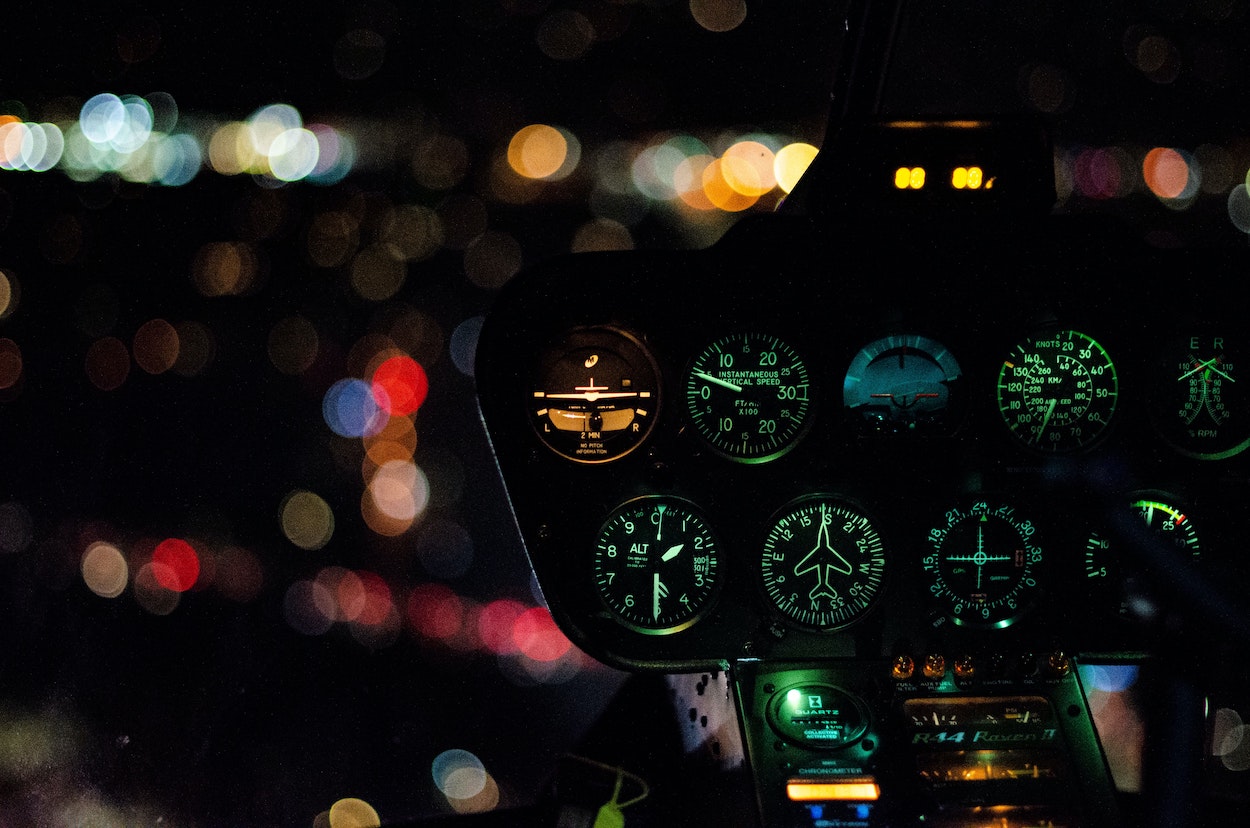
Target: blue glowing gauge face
{"type": "Point", "coordinates": [904, 383]}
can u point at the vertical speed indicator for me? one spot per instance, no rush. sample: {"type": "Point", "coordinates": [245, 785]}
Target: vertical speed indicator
{"type": "Point", "coordinates": [749, 396]}
{"type": "Point", "coordinates": [1058, 391]}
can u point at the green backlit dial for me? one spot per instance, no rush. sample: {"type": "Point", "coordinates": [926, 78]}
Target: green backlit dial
{"type": "Point", "coordinates": [749, 396]}
{"type": "Point", "coordinates": [656, 564]}
{"type": "Point", "coordinates": [1108, 565]}
{"type": "Point", "coordinates": [982, 564]}
{"type": "Point", "coordinates": [817, 715]}
{"type": "Point", "coordinates": [1196, 402]}
{"type": "Point", "coordinates": [823, 563]}
{"type": "Point", "coordinates": [1058, 391]}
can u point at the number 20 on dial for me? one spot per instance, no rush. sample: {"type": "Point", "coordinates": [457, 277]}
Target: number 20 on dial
{"type": "Point", "coordinates": [749, 397]}
{"type": "Point", "coordinates": [1058, 391]}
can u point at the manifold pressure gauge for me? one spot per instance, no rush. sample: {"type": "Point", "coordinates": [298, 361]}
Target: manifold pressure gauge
{"type": "Point", "coordinates": [823, 563]}
{"type": "Point", "coordinates": [983, 564]}
{"type": "Point", "coordinates": [656, 564]}
{"type": "Point", "coordinates": [1110, 567]}
{"type": "Point", "coordinates": [1057, 391]}
{"type": "Point", "coordinates": [749, 396]}
{"type": "Point", "coordinates": [595, 396]}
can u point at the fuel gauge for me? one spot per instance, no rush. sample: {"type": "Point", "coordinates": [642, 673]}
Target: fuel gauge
{"type": "Point", "coordinates": [595, 395]}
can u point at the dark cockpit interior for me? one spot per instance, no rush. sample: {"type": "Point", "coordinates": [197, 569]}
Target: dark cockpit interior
{"type": "Point", "coordinates": [635, 412]}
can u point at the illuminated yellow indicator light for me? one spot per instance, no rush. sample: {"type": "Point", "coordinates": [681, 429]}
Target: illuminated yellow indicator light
{"type": "Point", "coordinates": [848, 791]}
{"type": "Point", "coordinates": [903, 668]}
{"type": "Point", "coordinates": [909, 178]}
{"type": "Point", "coordinates": [970, 178]}
{"type": "Point", "coordinates": [934, 667]}
{"type": "Point", "coordinates": [1059, 664]}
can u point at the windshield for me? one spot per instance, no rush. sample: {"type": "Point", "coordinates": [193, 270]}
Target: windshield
{"type": "Point", "coordinates": [256, 565]}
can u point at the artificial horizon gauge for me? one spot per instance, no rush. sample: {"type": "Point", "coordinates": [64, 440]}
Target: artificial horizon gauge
{"type": "Point", "coordinates": [595, 395]}
{"type": "Point", "coordinates": [1196, 401]}
{"type": "Point", "coordinates": [656, 564]}
{"type": "Point", "coordinates": [823, 563]}
{"type": "Point", "coordinates": [1107, 564]}
{"type": "Point", "coordinates": [749, 396]}
{"type": "Point", "coordinates": [1057, 391]}
{"type": "Point", "coordinates": [983, 563]}
{"type": "Point", "coordinates": [904, 383]}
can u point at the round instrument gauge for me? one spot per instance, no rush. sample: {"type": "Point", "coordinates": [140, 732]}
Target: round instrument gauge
{"type": "Point", "coordinates": [1106, 568]}
{"type": "Point", "coordinates": [823, 563]}
{"type": "Point", "coordinates": [982, 564]}
{"type": "Point", "coordinates": [904, 383]}
{"type": "Point", "coordinates": [1196, 402]}
{"type": "Point", "coordinates": [595, 395]}
{"type": "Point", "coordinates": [749, 396]}
{"type": "Point", "coordinates": [817, 715]}
{"type": "Point", "coordinates": [656, 564]}
{"type": "Point", "coordinates": [1058, 391]}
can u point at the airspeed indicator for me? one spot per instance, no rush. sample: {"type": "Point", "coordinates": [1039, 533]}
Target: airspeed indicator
{"type": "Point", "coordinates": [1058, 391]}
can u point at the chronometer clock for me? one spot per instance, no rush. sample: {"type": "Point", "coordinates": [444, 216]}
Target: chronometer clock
{"type": "Point", "coordinates": [656, 564]}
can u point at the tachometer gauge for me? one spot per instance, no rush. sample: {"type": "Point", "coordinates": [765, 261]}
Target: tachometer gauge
{"type": "Point", "coordinates": [983, 564]}
{"type": "Point", "coordinates": [823, 563]}
{"type": "Point", "coordinates": [1058, 391]}
{"type": "Point", "coordinates": [656, 564]}
{"type": "Point", "coordinates": [904, 383]}
{"type": "Point", "coordinates": [1196, 401]}
{"type": "Point", "coordinates": [1107, 564]}
{"type": "Point", "coordinates": [596, 395]}
{"type": "Point", "coordinates": [749, 396]}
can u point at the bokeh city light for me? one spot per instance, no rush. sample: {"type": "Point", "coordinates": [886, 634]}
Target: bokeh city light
{"type": "Point", "coordinates": [238, 328]}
